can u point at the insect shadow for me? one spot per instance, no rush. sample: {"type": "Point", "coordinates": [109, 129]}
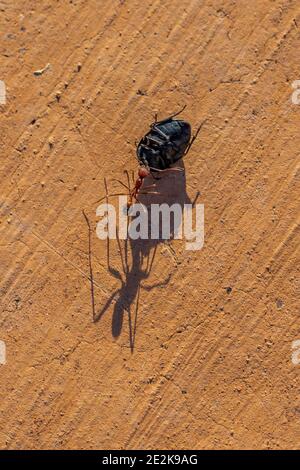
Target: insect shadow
{"type": "Point", "coordinates": [137, 259]}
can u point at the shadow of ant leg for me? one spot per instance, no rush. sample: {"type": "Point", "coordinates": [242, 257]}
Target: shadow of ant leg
{"type": "Point", "coordinates": [106, 306]}
{"type": "Point", "coordinates": [131, 345]}
{"type": "Point", "coordinates": [132, 342]}
{"type": "Point", "coordinates": [91, 266]}
{"type": "Point", "coordinates": [126, 254]}
{"type": "Point", "coordinates": [196, 197]}
{"type": "Point", "coordinates": [149, 265]}
{"type": "Point", "coordinates": [112, 270]}
{"type": "Point", "coordinates": [121, 253]}
{"type": "Point", "coordinates": [158, 284]}
{"type": "Point", "coordinates": [117, 318]}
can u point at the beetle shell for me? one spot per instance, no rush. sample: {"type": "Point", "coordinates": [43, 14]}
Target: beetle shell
{"type": "Point", "coordinates": [164, 144]}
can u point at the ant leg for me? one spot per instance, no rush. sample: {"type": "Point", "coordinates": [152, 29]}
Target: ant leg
{"type": "Point", "coordinates": [108, 247]}
{"type": "Point", "coordinates": [194, 137]}
{"type": "Point", "coordinates": [143, 206]}
{"type": "Point", "coordinates": [110, 195]}
{"type": "Point", "coordinates": [126, 254]}
{"type": "Point", "coordinates": [176, 168]}
{"type": "Point", "coordinates": [156, 178]}
{"type": "Point", "coordinates": [149, 187]}
{"type": "Point", "coordinates": [112, 271]}
{"type": "Point", "coordinates": [152, 186]}
{"type": "Point", "coordinates": [128, 180]}
{"type": "Point", "coordinates": [167, 169]}
{"type": "Point", "coordinates": [170, 117]}
{"type": "Point", "coordinates": [150, 192]}
{"type": "Point", "coordinates": [178, 112]}
{"type": "Point", "coordinates": [155, 118]}
{"type": "Point", "coordinates": [120, 182]}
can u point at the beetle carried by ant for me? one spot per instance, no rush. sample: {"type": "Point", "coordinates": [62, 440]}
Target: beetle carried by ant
{"type": "Point", "coordinates": [167, 141]}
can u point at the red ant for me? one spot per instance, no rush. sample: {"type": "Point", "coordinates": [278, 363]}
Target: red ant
{"type": "Point", "coordinates": [138, 188]}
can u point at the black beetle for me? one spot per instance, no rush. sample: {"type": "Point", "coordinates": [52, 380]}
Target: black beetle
{"type": "Point", "coordinates": [166, 142]}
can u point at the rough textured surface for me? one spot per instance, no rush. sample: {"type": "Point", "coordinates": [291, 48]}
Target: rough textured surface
{"type": "Point", "coordinates": [211, 366]}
